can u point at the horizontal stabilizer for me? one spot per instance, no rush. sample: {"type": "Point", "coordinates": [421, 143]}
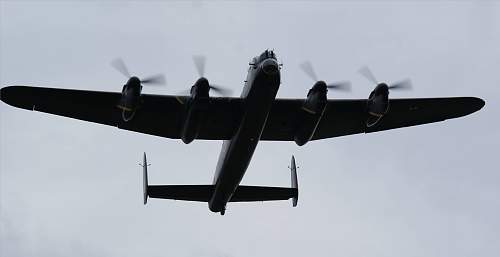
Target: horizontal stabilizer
{"type": "Point", "coordinates": [258, 193]}
{"type": "Point", "coordinates": [198, 193]}
{"type": "Point", "coordinates": [203, 193]}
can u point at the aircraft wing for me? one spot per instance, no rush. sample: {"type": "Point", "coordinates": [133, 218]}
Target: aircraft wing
{"type": "Point", "coordinates": [163, 115]}
{"type": "Point", "coordinates": [159, 115]}
{"type": "Point", "coordinates": [347, 117]}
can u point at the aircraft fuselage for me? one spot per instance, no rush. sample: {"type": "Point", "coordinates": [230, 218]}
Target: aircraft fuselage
{"type": "Point", "coordinates": [260, 91]}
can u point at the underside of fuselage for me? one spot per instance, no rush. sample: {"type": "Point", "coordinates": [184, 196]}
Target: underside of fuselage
{"type": "Point", "coordinates": [259, 93]}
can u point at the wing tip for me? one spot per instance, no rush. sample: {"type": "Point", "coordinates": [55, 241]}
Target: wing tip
{"type": "Point", "coordinates": [474, 104]}
{"type": "Point", "coordinates": [480, 102]}
{"type": "Point", "coordinates": [13, 95]}
{"type": "Point", "coordinates": [4, 91]}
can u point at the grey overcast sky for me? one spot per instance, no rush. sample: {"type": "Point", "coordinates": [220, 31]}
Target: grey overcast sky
{"type": "Point", "coordinates": [69, 187]}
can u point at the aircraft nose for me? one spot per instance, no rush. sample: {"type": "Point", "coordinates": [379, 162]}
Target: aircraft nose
{"type": "Point", "coordinates": [270, 67]}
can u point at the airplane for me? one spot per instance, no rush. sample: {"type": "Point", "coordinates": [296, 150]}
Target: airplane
{"type": "Point", "coordinates": [241, 122]}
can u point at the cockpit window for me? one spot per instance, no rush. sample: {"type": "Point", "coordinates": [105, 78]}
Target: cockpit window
{"type": "Point", "coordinates": [267, 54]}
{"type": "Point", "coordinates": [272, 55]}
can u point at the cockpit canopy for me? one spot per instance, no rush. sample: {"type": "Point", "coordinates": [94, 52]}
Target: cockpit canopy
{"type": "Point", "coordinates": [265, 55]}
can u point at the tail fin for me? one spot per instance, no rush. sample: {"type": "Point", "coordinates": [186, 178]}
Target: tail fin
{"type": "Point", "coordinates": [295, 183]}
{"type": "Point", "coordinates": [145, 184]}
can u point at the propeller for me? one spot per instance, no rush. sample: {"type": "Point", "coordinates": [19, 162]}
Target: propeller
{"type": "Point", "coordinates": [402, 84]}
{"type": "Point", "coordinates": [120, 66]}
{"type": "Point", "coordinates": [340, 85]}
{"type": "Point", "coordinates": [199, 62]}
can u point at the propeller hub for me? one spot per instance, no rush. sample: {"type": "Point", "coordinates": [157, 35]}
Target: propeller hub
{"type": "Point", "coordinates": [134, 80]}
{"type": "Point", "coordinates": [202, 80]}
{"type": "Point", "coordinates": [382, 88]}
{"type": "Point", "coordinates": [319, 85]}
{"type": "Point", "coordinates": [383, 85]}
{"type": "Point", "coordinates": [202, 83]}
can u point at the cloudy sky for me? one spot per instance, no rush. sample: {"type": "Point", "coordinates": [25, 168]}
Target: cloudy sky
{"type": "Point", "coordinates": [70, 187]}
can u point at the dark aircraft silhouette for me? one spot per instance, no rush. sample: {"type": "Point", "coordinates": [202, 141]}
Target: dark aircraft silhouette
{"type": "Point", "coordinates": [241, 122]}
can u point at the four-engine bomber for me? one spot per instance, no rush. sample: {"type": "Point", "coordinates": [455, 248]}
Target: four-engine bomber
{"type": "Point", "coordinates": [240, 122]}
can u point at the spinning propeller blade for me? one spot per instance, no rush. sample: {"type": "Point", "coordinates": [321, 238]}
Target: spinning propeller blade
{"type": "Point", "coordinates": [368, 74]}
{"type": "Point", "coordinates": [400, 85]}
{"type": "Point", "coordinates": [199, 62]}
{"type": "Point", "coordinates": [309, 70]}
{"type": "Point", "coordinates": [341, 85]}
{"type": "Point", "coordinates": [404, 84]}
{"type": "Point", "coordinates": [220, 90]}
{"type": "Point", "coordinates": [158, 79]}
{"type": "Point", "coordinates": [120, 66]}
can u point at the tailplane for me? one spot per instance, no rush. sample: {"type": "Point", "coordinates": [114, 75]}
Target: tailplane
{"type": "Point", "coordinates": [203, 193]}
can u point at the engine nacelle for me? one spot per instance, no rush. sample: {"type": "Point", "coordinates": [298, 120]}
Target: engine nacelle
{"type": "Point", "coordinates": [131, 96]}
{"type": "Point", "coordinates": [377, 104]}
{"type": "Point", "coordinates": [310, 114]}
{"type": "Point", "coordinates": [195, 108]}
